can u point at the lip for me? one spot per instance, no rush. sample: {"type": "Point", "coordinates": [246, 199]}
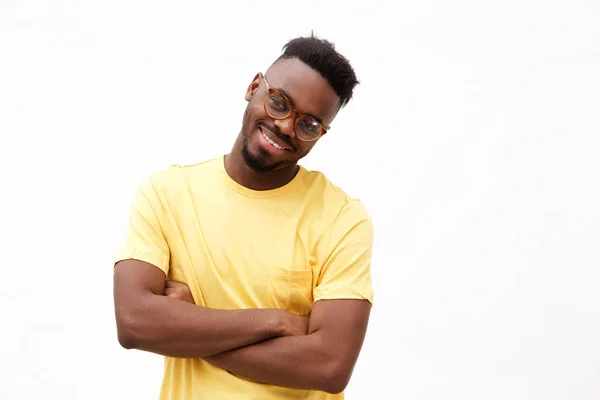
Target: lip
{"type": "Point", "coordinates": [268, 133]}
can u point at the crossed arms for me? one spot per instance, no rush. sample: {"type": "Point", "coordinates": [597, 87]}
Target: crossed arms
{"type": "Point", "coordinates": [265, 345]}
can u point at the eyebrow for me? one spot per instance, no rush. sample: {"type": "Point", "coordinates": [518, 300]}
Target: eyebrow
{"type": "Point", "coordinates": [319, 120]}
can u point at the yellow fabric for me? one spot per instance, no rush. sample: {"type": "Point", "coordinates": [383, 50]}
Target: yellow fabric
{"type": "Point", "coordinates": [237, 248]}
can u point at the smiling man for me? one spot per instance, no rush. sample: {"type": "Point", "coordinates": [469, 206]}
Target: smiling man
{"type": "Point", "coordinates": [248, 272]}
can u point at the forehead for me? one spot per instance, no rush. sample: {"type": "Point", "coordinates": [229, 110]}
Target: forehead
{"type": "Point", "coordinates": [307, 89]}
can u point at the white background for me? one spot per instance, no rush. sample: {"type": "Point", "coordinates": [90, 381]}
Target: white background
{"type": "Point", "coordinates": [473, 140]}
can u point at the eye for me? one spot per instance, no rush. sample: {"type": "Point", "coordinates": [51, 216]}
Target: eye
{"type": "Point", "coordinates": [277, 102]}
{"type": "Point", "coordinates": [310, 125]}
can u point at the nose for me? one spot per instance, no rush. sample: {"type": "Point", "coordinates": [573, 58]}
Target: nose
{"type": "Point", "coordinates": [286, 126]}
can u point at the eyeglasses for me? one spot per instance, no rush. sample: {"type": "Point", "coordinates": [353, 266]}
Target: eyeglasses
{"type": "Point", "coordinates": [278, 106]}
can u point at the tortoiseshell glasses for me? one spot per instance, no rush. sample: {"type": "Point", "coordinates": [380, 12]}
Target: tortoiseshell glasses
{"type": "Point", "coordinates": [278, 106]}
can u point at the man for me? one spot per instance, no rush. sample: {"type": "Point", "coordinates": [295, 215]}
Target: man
{"type": "Point", "coordinates": [272, 261]}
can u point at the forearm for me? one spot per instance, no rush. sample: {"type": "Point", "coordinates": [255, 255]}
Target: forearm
{"type": "Point", "coordinates": [300, 362]}
{"type": "Point", "coordinates": [175, 328]}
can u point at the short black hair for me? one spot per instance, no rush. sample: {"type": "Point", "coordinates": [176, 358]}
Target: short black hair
{"type": "Point", "coordinates": [320, 55]}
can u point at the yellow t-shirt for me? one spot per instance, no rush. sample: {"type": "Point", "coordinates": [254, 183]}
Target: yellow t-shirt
{"type": "Point", "coordinates": [238, 248]}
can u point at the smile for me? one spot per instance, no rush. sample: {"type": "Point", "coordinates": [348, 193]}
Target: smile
{"type": "Point", "coordinates": [271, 141]}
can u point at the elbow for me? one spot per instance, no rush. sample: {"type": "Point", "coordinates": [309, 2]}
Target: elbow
{"type": "Point", "coordinates": [335, 386]}
{"type": "Point", "coordinates": [127, 340]}
{"type": "Point", "coordinates": [129, 331]}
{"type": "Point", "coordinates": [336, 379]}
{"type": "Point", "coordinates": [334, 367]}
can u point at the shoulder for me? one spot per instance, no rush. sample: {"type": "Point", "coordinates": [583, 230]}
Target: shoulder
{"type": "Point", "coordinates": [174, 177]}
{"type": "Point", "coordinates": [333, 196]}
{"type": "Point", "coordinates": [335, 201]}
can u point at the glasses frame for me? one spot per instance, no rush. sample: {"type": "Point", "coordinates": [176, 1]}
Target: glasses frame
{"type": "Point", "coordinates": [270, 92]}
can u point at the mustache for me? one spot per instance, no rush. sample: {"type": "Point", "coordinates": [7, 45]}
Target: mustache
{"type": "Point", "coordinates": [277, 133]}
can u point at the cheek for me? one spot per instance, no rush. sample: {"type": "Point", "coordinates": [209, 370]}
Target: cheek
{"type": "Point", "coordinates": [257, 105]}
{"type": "Point", "coordinates": [254, 112]}
{"type": "Point", "coordinates": [246, 118]}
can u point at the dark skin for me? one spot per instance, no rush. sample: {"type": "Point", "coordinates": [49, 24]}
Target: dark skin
{"type": "Point", "coordinates": [163, 324]}
{"type": "Point", "coordinates": [310, 94]}
{"type": "Point", "coordinates": [269, 346]}
{"type": "Point", "coordinates": [322, 360]}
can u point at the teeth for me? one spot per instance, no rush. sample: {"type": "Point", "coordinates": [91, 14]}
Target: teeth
{"type": "Point", "coordinates": [268, 139]}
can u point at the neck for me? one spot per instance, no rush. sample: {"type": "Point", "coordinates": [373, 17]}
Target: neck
{"type": "Point", "coordinates": [238, 170]}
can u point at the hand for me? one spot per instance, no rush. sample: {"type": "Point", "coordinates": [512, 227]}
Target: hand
{"type": "Point", "coordinates": [178, 290]}
{"type": "Point", "coordinates": [294, 325]}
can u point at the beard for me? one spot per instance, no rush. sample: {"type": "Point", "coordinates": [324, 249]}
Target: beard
{"type": "Point", "coordinates": [256, 162]}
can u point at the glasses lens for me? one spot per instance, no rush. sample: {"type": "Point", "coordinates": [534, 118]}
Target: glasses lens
{"type": "Point", "coordinates": [277, 105]}
{"type": "Point", "coordinates": [308, 128]}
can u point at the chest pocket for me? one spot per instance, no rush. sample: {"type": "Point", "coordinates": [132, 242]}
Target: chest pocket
{"type": "Point", "coordinates": [293, 289]}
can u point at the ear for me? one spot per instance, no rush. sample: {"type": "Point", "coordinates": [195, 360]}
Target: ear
{"type": "Point", "coordinates": [253, 87]}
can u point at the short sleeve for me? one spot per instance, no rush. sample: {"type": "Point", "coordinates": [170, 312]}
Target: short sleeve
{"type": "Point", "coordinates": [145, 239]}
{"type": "Point", "coordinates": [346, 273]}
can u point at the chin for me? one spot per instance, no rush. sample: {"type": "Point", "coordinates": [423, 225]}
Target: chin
{"type": "Point", "coordinates": [255, 162]}
{"type": "Point", "coordinates": [258, 158]}
{"type": "Point", "coordinates": [258, 161]}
